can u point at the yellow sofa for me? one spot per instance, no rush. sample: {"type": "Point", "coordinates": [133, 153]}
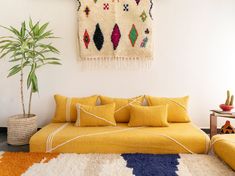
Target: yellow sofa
{"type": "Point", "coordinates": [224, 147]}
{"type": "Point", "coordinates": [67, 138]}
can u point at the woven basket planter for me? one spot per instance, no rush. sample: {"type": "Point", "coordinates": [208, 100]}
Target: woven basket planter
{"type": "Point", "coordinates": [20, 129]}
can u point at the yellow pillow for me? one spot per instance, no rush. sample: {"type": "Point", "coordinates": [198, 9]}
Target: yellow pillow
{"type": "Point", "coordinates": [177, 107]}
{"type": "Point", "coordinates": [155, 116]}
{"type": "Point", "coordinates": [122, 112]}
{"type": "Point", "coordinates": [66, 107]}
{"type": "Point", "coordinates": [95, 115]}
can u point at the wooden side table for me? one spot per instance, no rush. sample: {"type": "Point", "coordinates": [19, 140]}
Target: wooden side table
{"type": "Point", "coordinates": [213, 121]}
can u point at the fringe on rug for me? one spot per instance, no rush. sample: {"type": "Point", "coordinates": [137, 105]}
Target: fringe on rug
{"type": "Point", "coordinates": [117, 63]}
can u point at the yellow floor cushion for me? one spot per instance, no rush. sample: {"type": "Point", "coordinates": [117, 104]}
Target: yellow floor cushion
{"type": "Point", "coordinates": [65, 137]}
{"type": "Point", "coordinates": [224, 147]}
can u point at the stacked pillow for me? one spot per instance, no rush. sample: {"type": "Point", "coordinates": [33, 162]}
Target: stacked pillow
{"type": "Point", "coordinates": [123, 106]}
{"type": "Point", "coordinates": [177, 107]}
{"type": "Point", "coordinates": [96, 115]}
{"type": "Point", "coordinates": [66, 107]}
{"type": "Point", "coordinates": [85, 112]}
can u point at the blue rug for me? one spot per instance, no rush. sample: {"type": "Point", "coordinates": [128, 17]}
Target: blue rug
{"type": "Point", "coordinates": [152, 165]}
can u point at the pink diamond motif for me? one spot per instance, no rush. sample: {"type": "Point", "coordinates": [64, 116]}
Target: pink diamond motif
{"type": "Point", "coordinates": [115, 37]}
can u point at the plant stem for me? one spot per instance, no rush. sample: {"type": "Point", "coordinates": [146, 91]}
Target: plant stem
{"type": "Point", "coordinates": [30, 100]}
{"type": "Point", "coordinates": [21, 88]}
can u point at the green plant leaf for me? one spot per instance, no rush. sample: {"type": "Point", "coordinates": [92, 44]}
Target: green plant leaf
{"type": "Point", "coordinates": [14, 70]}
{"type": "Point", "coordinates": [44, 46]}
{"type": "Point", "coordinates": [35, 84]}
{"type": "Point", "coordinates": [7, 52]}
{"type": "Point", "coordinates": [33, 29]}
{"type": "Point", "coordinates": [14, 67]}
{"type": "Point", "coordinates": [15, 31]}
{"type": "Point", "coordinates": [45, 35]}
{"type": "Point", "coordinates": [4, 47]}
{"type": "Point", "coordinates": [23, 29]}
{"type": "Point", "coordinates": [16, 59]}
{"type": "Point", "coordinates": [19, 66]}
{"type": "Point", "coordinates": [31, 74]}
{"type": "Point", "coordinates": [4, 41]}
{"type": "Point", "coordinates": [16, 53]}
{"type": "Point", "coordinates": [54, 63]}
{"type": "Point", "coordinates": [53, 49]}
{"type": "Point", "coordinates": [39, 54]}
{"type": "Point", "coordinates": [4, 37]}
{"type": "Point", "coordinates": [52, 59]}
{"type": "Point", "coordinates": [43, 28]}
{"type": "Point", "coordinates": [30, 23]}
{"type": "Point", "coordinates": [36, 29]}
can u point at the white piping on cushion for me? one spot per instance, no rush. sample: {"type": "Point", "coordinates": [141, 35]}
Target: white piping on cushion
{"type": "Point", "coordinates": [93, 115]}
{"type": "Point", "coordinates": [88, 135]}
{"type": "Point", "coordinates": [51, 136]}
{"type": "Point", "coordinates": [68, 108]}
{"type": "Point", "coordinates": [182, 106]}
{"type": "Point", "coordinates": [130, 103]}
{"type": "Point", "coordinates": [117, 131]}
{"type": "Point", "coordinates": [217, 140]}
{"type": "Point", "coordinates": [177, 142]}
{"type": "Point", "coordinates": [207, 139]}
{"type": "Point", "coordinates": [78, 106]}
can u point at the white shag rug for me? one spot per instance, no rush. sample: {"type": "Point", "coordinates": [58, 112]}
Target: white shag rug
{"type": "Point", "coordinates": [44, 164]}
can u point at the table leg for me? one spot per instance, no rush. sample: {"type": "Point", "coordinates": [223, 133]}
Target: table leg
{"type": "Point", "coordinates": [213, 125]}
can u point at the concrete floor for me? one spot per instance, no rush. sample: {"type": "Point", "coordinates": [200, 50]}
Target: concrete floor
{"type": "Point", "coordinates": [10, 148]}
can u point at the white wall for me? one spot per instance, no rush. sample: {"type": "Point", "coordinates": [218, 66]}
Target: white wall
{"type": "Point", "coordinates": [194, 55]}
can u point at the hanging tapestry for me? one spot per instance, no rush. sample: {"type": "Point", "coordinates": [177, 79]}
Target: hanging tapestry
{"type": "Point", "coordinates": [115, 32]}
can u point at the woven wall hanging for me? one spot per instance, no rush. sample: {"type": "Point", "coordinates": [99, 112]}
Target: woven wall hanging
{"type": "Point", "coordinates": [115, 33]}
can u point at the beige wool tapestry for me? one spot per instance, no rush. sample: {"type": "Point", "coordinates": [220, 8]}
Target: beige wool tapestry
{"type": "Point", "coordinates": [115, 32]}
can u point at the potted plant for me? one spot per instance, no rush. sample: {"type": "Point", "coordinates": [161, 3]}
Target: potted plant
{"type": "Point", "coordinates": [28, 50]}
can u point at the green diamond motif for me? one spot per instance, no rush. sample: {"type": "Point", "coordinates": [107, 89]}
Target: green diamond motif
{"type": "Point", "coordinates": [133, 35]}
{"type": "Point", "coordinates": [143, 16]}
{"type": "Point", "coordinates": [95, 1]}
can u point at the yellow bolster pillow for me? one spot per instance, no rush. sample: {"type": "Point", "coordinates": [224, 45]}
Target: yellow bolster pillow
{"type": "Point", "coordinates": [155, 116]}
{"type": "Point", "coordinates": [177, 107]}
{"type": "Point", "coordinates": [122, 112]}
{"type": "Point", "coordinates": [66, 107]}
{"type": "Point", "coordinates": [95, 115]}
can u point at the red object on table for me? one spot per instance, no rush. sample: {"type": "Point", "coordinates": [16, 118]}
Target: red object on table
{"type": "Point", "coordinates": [225, 107]}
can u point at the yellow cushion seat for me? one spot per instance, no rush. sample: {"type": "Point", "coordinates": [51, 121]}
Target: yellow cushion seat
{"type": "Point", "coordinates": [67, 138]}
{"type": "Point", "coordinates": [224, 147]}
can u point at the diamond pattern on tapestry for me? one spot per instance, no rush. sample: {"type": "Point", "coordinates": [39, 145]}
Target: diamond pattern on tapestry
{"type": "Point", "coordinates": [116, 35]}
{"type": "Point", "coordinates": [86, 39]}
{"type": "Point", "coordinates": [143, 16]}
{"type": "Point", "coordinates": [133, 35]}
{"type": "Point", "coordinates": [115, 31]}
{"type": "Point", "coordinates": [98, 37]}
